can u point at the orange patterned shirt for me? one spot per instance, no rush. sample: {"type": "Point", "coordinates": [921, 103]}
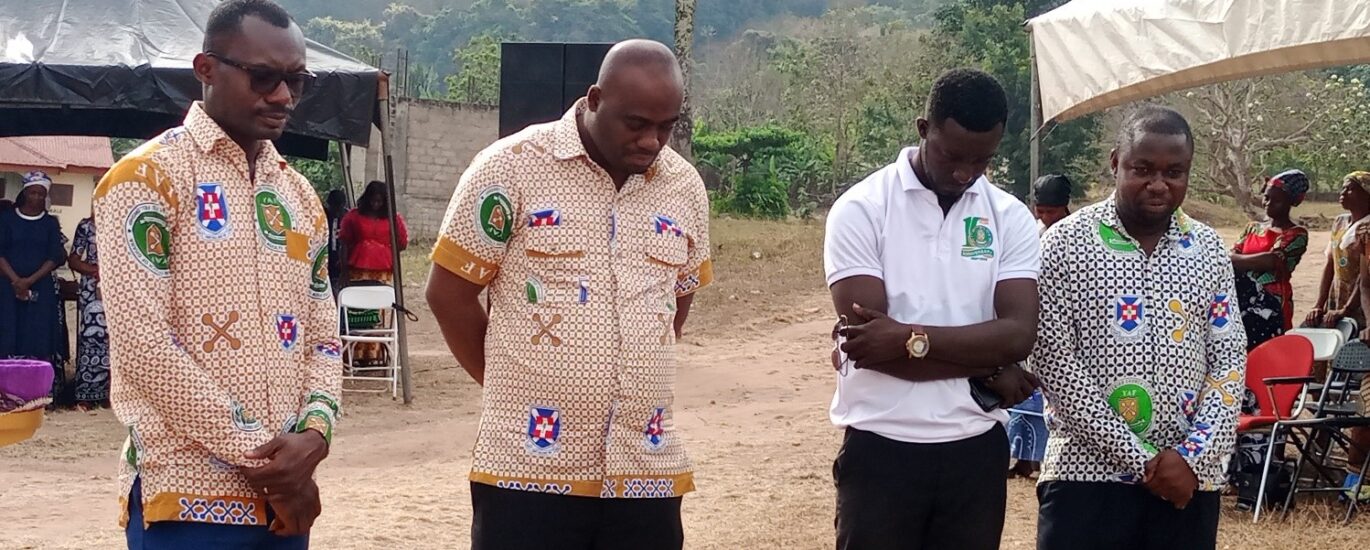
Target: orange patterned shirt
{"type": "Point", "coordinates": [583, 281]}
{"type": "Point", "coordinates": [222, 328]}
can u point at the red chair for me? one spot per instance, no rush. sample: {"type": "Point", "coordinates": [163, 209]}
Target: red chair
{"type": "Point", "coordinates": [1276, 372]}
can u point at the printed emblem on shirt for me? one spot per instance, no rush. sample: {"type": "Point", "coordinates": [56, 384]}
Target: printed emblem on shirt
{"type": "Point", "coordinates": [544, 430]}
{"type": "Point", "coordinates": [546, 329]}
{"type": "Point", "coordinates": [331, 349]}
{"type": "Point", "coordinates": [1197, 440]}
{"type": "Point", "coordinates": [318, 279]}
{"type": "Point", "coordinates": [149, 240]}
{"type": "Point", "coordinates": [495, 217]}
{"type": "Point", "coordinates": [536, 292]}
{"type": "Point", "coordinates": [1186, 244]}
{"type": "Point", "coordinates": [1178, 333]}
{"type": "Point", "coordinates": [1129, 316]}
{"type": "Point", "coordinates": [273, 218]}
{"type": "Point", "coordinates": [287, 330]}
{"type": "Point", "coordinates": [221, 331]}
{"type": "Point", "coordinates": [547, 217]}
{"type": "Point", "coordinates": [1189, 406]}
{"type": "Point", "coordinates": [1114, 240]}
{"type": "Point", "coordinates": [1131, 399]}
{"type": "Point", "coordinates": [1219, 314]}
{"type": "Point", "coordinates": [654, 437]}
{"type": "Point", "coordinates": [979, 239]}
{"type": "Point", "coordinates": [664, 225]}
{"type": "Point", "coordinates": [211, 208]}
{"type": "Point", "coordinates": [244, 421]}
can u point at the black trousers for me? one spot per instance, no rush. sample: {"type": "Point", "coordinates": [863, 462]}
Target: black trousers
{"type": "Point", "coordinates": [908, 496]}
{"type": "Point", "coordinates": [504, 519]}
{"type": "Point", "coordinates": [1120, 516]}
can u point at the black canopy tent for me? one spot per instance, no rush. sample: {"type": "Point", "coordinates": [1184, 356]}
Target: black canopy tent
{"type": "Point", "coordinates": [122, 68]}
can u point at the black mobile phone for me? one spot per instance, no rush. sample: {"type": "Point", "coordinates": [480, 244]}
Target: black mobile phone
{"type": "Point", "coordinates": [985, 397]}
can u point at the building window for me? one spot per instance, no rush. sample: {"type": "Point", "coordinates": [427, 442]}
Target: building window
{"type": "Point", "coordinates": [61, 194]}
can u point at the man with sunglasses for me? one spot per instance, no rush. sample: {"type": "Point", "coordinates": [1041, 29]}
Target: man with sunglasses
{"type": "Point", "coordinates": [223, 332]}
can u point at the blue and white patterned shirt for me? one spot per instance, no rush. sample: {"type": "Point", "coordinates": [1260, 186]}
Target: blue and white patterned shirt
{"type": "Point", "coordinates": [1137, 352]}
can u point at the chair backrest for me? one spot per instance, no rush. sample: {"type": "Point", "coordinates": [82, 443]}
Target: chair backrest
{"type": "Point", "coordinates": [367, 297]}
{"type": "Point", "coordinates": [1327, 342]}
{"type": "Point", "coordinates": [1353, 358]}
{"type": "Point", "coordinates": [1281, 356]}
{"type": "Point", "coordinates": [1348, 328]}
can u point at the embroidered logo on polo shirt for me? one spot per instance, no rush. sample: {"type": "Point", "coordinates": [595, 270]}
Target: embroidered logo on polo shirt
{"type": "Point", "coordinates": [979, 239]}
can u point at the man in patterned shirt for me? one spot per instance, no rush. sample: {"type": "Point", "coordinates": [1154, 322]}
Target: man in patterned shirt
{"type": "Point", "coordinates": [1141, 355]}
{"type": "Point", "coordinates": [590, 237]}
{"type": "Point", "coordinates": [223, 333]}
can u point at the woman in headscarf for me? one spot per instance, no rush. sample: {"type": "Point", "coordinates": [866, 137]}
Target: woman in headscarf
{"type": "Point", "coordinates": [1339, 291]}
{"type": "Point", "coordinates": [30, 249]}
{"type": "Point", "coordinates": [92, 334]}
{"type": "Point", "coordinates": [1264, 259]}
{"type": "Point", "coordinates": [366, 236]}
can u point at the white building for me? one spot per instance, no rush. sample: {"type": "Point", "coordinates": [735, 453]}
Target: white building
{"type": "Point", "coordinates": [75, 164]}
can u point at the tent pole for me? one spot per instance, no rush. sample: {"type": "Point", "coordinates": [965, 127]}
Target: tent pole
{"type": "Point", "coordinates": [345, 164]}
{"type": "Point", "coordinates": [1035, 139]}
{"type": "Point", "coordinates": [398, 270]}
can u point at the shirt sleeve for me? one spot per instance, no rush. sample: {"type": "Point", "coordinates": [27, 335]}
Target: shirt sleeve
{"type": "Point", "coordinates": [134, 207]}
{"type": "Point", "coordinates": [1022, 250]}
{"type": "Point", "coordinates": [403, 229]}
{"type": "Point", "coordinates": [57, 251]}
{"type": "Point", "coordinates": [321, 357]}
{"type": "Point", "coordinates": [1289, 249]}
{"type": "Point", "coordinates": [478, 224]}
{"type": "Point", "coordinates": [1213, 434]}
{"type": "Point", "coordinates": [851, 244]}
{"type": "Point", "coordinates": [698, 271]}
{"type": "Point", "coordinates": [1074, 395]}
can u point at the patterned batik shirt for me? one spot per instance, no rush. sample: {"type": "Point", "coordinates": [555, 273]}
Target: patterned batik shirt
{"type": "Point", "coordinates": [223, 332]}
{"type": "Point", "coordinates": [1137, 352]}
{"type": "Point", "coordinates": [582, 279]}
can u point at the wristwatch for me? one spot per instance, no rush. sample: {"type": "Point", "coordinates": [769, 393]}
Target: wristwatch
{"type": "Point", "coordinates": [918, 344]}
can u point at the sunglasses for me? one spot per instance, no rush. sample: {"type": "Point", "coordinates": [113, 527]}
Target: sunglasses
{"type": "Point", "coordinates": [265, 81]}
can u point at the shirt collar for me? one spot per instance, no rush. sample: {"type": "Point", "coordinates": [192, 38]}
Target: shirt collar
{"type": "Point", "coordinates": [1180, 224]}
{"type": "Point", "coordinates": [210, 138]}
{"type": "Point", "coordinates": [566, 143]}
{"type": "Point", "coordinates": [909, 179]}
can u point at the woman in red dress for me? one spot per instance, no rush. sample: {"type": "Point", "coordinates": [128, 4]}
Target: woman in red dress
{"type": "Point", "coordinates": [366, 235]}
{"type": "Point", "coordinates": [1264, 259]}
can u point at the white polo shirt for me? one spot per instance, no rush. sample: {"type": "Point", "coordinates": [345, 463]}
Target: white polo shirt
{"type": "Point", "coordinates": [938, 271]}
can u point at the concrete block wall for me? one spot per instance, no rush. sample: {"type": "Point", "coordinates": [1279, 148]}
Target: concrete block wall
{"type": "Point", "coordinates": [434, 142]}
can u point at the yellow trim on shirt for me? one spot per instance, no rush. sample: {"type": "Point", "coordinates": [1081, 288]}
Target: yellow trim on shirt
{"type": "Point", "coordinates": [461, 262]}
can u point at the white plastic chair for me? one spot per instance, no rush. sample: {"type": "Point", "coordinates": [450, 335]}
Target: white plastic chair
{"type": "Point", "coordinates": [1326, 341]}
{"type": "Point", "coordinates": [381, 298]}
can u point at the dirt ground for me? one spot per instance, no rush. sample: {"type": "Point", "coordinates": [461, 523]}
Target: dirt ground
{"type": "Point", "coordinates": [752, 406]}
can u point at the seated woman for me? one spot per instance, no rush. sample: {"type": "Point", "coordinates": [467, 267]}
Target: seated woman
{"type": "Point", "coordinates": [1339, 291]}
{"type": "Point", "coordinates": [31, 247]}
{"type": "Point", "coordinates": [1264, 259]}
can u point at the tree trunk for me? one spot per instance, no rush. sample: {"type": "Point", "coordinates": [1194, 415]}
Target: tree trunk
{"type": "Point", "coordinates": [682, 139]}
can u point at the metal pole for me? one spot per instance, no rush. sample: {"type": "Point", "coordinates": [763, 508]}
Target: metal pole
{"type": "Point", "coordinates": [1035, 139]}
{"type": "Point", "coordinates": [345, 164]}
{"type": "Point", "coordinates": [398, 270]}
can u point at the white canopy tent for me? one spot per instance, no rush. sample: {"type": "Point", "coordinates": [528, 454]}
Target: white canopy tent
{"type": "Point", "coordinates": [1089, 55]}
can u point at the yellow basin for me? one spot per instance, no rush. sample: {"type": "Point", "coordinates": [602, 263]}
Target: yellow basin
{"type": "Point", "coordinates": [16, 427]}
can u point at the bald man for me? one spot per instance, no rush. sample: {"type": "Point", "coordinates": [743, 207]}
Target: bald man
{"type": "Point", "coordinates": [590, 237]}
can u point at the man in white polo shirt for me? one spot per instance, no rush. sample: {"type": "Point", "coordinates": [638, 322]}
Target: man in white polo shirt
{"type": "Point", "coordinates": [933, 271]}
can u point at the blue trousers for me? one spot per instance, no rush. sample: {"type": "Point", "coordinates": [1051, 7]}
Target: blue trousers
{"type": "Point", "coordinates": [175, 535]}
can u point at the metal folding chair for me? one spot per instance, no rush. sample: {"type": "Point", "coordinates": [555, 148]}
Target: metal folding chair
{"type": "Point", "coordinates": [378, 298]}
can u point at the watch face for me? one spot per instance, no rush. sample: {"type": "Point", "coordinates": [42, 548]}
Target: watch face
{"type": "Point", "coordinates": [920, 347]}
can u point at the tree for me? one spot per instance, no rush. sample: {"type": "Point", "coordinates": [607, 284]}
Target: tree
{"type": "Point", "coordinates": [477, 79]}
{"type": "Point", "coordinates": [360, 39]}
{"type": "Point", "coordinates": [683, 135]}
{"type": "Point", "coordinates": [990, 33]}
{"type": "Point", "coordinates": [1248, 129]}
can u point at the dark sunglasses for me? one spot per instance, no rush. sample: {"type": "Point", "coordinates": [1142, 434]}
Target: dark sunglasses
{"type": "Point", "coordinates": [265, 81]}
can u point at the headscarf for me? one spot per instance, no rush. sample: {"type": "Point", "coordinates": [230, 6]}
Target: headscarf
{"type": "Point", "coordinates": [36, 177]}
{"type": "Point", "coordinates": [1051, 190]}
{"type": "Point", "coordinates": [1294, 182]}
{"type": "Point", "coordinates": [1360, 178]}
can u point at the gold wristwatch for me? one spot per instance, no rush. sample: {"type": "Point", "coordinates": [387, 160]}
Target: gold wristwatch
{"type": "Point", "coordinates": [918, 343]}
